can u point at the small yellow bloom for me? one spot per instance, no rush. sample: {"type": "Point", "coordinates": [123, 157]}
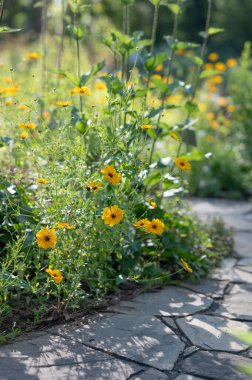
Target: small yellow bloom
{"type": "Point", "coordinates": [156, 76]}
{"type": "Point", "coordinates": [217, 79]}
{"type": "Point", "coordinates": [100, 86]}
{"type": "Point", "coordinates": [174, 135]}
{"type": "Point", "coordinates": [8, 90]}
{"type": "Point", "coordinates": [55, 274]}
{"type": "Point", "coordinates": [64, 103]}
{"type": "Point", "coordinates": [8, 102]}
{"type": "Point", "coordinates": [231, 62]}
{"type": "Point", "coordinates": [210, 116]}
{"type": "Point", "coordinates": [186, 266]}
{"type": "Point", "coordinates": [111, 174]}
{"type": "Point", "coordinates": [181, 51]}
{"type": "Point", "coordinates": [45, 115]}
{"type": "Point", "coordinates": [213, 88]}
{"type": "Point", "coordinates": [23, 107]}
{"type": "Point", "coordinates": [159, 67]}
{"type": "Point", "coordinates": [94, 185]}
{"type": "Point", "coordinates": [112, 215]}
{"type": "Point", "coordinates": [65, 225]}
{"type": "Point", "coordinates": [82, 90]}
{"type": "Point", "coordinates": [220, 66]}
{"type": "Point", "coordinates": [213, 57]}
{"type": "Point", "coordinates": [27, 125]}
{"type": "Point", "coordinates": [142, 223]}
{"type": "Point", "coordinates": [231, 108]}
{"type": "Point", "coordinates": [214, 124]}
{"type": "Point", "coordinates": [46, 238]}
{"type": "Point", "coordinates": [182, 163]}
{"type": "Point", "coordinates": [1, 65]}
{"type": "Point", "coordinates": [32, 56]}
{"type": "Point", "coordinates": [222, 101]}
{"type": "Point", "coordinates": [7, 79]}
{"type": "Point", "coordinates": [152, 203]}
{"type": "Point", "coordinates": [146, 126]}
{"type": "Point", "coordinates": [24, 135]}
{"type": "Point", "coordinates": [208, 66]}
{"type": "Point", "coordinates": [42, 180]}
{"type": "Point", "coordinates": [155, 226]}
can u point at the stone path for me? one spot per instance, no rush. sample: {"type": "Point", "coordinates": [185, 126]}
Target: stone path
{"type": "Point", "coordinates": [176, 334]}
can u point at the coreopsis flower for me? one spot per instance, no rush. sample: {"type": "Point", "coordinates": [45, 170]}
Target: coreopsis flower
{"type": "Point", "coordinates": [42, 180]}
{"type": "Point", "coordinates": [174, 135]}
{"type": "Point", "coordinates": [214, 124]}
{"type": "Point", "coordinates": [111, 174]}
{"type": "Point", "coordinates": [182, 163]}
{"type": "Point", "coordinates": [23, 107]}
{"type": "Point", "coordinates": [24, 135]}
{"type": "Point", "coordinates": [94, 185]}
{"type": "Point", "coordinates": [217, 79]}
{"type": "Point", "coordinates": [46, 238]}
{"type": "Point", "coordinates": [156, 76]}
{"type": "Point", "coordinates": [84, 90]}
{"type": "Point", "coordinates": [45, 115]}
{"type": "Point", "coordinates": [7, 79]}
{"type": "Point", "coordinates": [208, 66]}
{"type": "Point", "coordinates": [32, 56]}
{"type": "Point", "coordinates": [142, 223]}
{"type": "Point", "coordinates": [8, 90]}
{"type": "Point", "coordinates": [155, 226]}
{"type": "Point", "coordinates": [8, 102]}
{"type": "Point", "coordinates": [63, 104]}
{"type": "Point", "coordinates": [231, 62]}
{"type": "Point", "coordinates": [213, 57]}
{"type": "Point", "coordinates": [112, 215]}
{"type": "Point", "coordinates": [146, 126]}
{"type": "Point", "coordinates": [55, 274]}
{"type": "Point", "coordinates": [159, 67]}
{"type": "Point", "coordinates": [27, 125]}
{"type": "Point", "coordinates": [231, 108]}
{"type": "Point", "coordinates": [65, 225]}
{"type": "Point", "coordinates": [186, 266]}
{"type": "Point", "coordinates": [222, 101]}
{"type": "Point", "coordinates": [210, 116]}
{"type": "Point", "coordinates": [100, 86]}
{"type": "Point", "coordinates": [152, 203]}
{"type": "Point", "coordinates": [220, 66]}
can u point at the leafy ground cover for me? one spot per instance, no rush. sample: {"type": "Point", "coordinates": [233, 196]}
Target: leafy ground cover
{"type": "Point", "coordinates": [90, 204]}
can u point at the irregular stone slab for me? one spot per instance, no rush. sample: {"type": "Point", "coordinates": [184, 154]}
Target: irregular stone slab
{"type": "Point", "coordinates": [189, 350]}
{"type": "Point", "coordinates": [188, 377]}
{"type": "Point", "coordinates": [144, 339]}
{"type": "Point", "coordinates": [229, 272]}
{"type": "Point", "coordinates": [151, 374]}
{"type": "Point", "coordinates": [237, 304]}
{"type": "Point", "coordinates": [52, 357]}
{"type": "Point", "coordinates": [215, 365]}
{"type": "Point", "coordinates": [214, 333]}
{"type": "Point", "coordinates": [170, 301]}
{"type": "Point", "coordinates": [245, 264]}
{"type": "Point", "coordinates": [243, 243]}
{"type": "Point", "coordinates": [210, 288]}
{"type": "Point", "coordinates": [220, 207]}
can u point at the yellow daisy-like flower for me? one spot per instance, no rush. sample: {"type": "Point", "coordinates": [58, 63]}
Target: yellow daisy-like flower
{"type": "Point", "coordinates": [182, 163]}
{"type": "Point", "coordinates": [214, 124]}
{"type": "Point", "coordinates": [217, 79]}
{"type": "Point", "coordinates": [45, 115]}
{"type": "Point", "coordinates": [100, 86]}
{"type": "Point", "coordinates": [186, 266]}
{"type": "Point", "coordinates": [112, 215]}
{"type": "Point", "coordinates": [111, 174]}
{"type": "Point", "coordinates": [7, 79]}
{"type": "Point", "coordinates": [27, 125]}
{"type": "Point", "coordinates": [208, 66]}
{"type": "Point", "coordinates": [82, 90]}
{"type": "Point", "coordinates": [65, 225]}
{"type": "Point", "coordinates": [220, 66]}
{"type": "Point", "coordinates": [174, 135]}
{"type": "Point", "coordinates": [210, 116]}
{"type": "Point", "coordinates": [32, 56]}
{"type": "Point", "coordinates": [146, 126]}
{"type": "Point", "coordinates": [42, 180]}
{"type": "Point", "coordinates": [23, 107]}
{"type": "Point", "coordinates": [46, 238]}
{"type": "Point", "coordinates": [66, 103]}
{"type": "Point", "coordinates": [94, 185]}
{"type": "Point", "coordinates": [213, 57]}
{"type": "Point", "coordinates": [231, 62]}
{"type": "Point", "coordinates": [231, 108]}
{"type": "Point", "coordinates": [156, 76]}
{"type": "Point", "coordinates": [24, 135]}
{"type": "Point", "coordinates": [142, 223]}
{"type": "Point", "coordinates": [222, 101]}
{"type": "Point", "coordinates": [159, 67]}
{"type": "Point", "coordinates": [152, 203]}
{"type": "Point", "coordinates": [8, 102]}
{"type": "Point", "coordinates": [55, 274]}
{"type": "Point", "coordinates": [155, 226]}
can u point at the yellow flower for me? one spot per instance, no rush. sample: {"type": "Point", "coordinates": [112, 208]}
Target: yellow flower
{"type": "Point", "coordinates": [231, 108]}
{"type": "Point", "coordinates": [27, 125]}
{"type": "Point", "coordinates": [142, 223]}
{"type": "Point", "coordinates": [210, 116]}
{"type": "Point", "coordinates": [159, 67]}
{"type": "Point", "coordinates": [222, 101]}
{"type": "Point", "coordinates": [152, 203]}
{"type": "Point", "coordinates": [8, 102]}
{"type": "Point", "coordinates": [155, 226]}
{"type": "Point", "coordinates": [7, 79]}
{"type": "Point", "coordinates": [32, 56]}
{"type": "Point", "coordinates": [186, 266]}
{"type": "Point", "coordinates": [208, 66]}
{"type": "Point", "coordinates": [55, 274]}
{"type": "Point", "coordinates": [213, 57]}
{"type": "Point", "coordinates": [82, 90]}
{"type": "Point", "coordinates": [46, 238]}
{"type": "Point", "coordinates": [111, 174]}
{"type": "Point", "coordinates": [220, 66]}
{"type": "Point", "coordinates": [1, 65]}
{"type": "Point", "coordinates": [24, 135]}
{"type": "Point", "coordinates": [23, 107]}
{"type": "Point", "coordinates": [146, 126]}
{"type": "Point", "coordinates": [64, 104]}
{"type": "Point", "coordinates": [180, 51]}
{"type": "Point", "coordinates": [94, 185]}
{"type": "Point", "coordinates": [217, 79]}
{"type": "Point", "coordinates": [100, 86]}
{"type": "Point", "coordinates": [65, 225]}
{"type": "Point", "coordinates": [156, 76]}
{"type": "Point", "coordinates": [112, 215]}
{"type": "Point", "coordinates": [231, 62]}
{"type": "Point", "coordinates": [42, 180]}
{"type": "Point", "coordinates": [8, 90]}
{"type": "Point", "coordinates": [174, 135]}
{"type": "Point", "coordinates": [182, 163]}
{"type": "Point", "coordinates": [45, 115]}
{"type": "Point", "coordinates": [214, 124]}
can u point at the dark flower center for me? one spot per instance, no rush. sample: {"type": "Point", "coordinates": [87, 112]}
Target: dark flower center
{"type": "Point", "coordinates": [154, 226]}
{"type": "Point", "coordinates": [88, 188]}
{"type": "Point", "coordinates": [113, 216]}
{"type": "Point", "coordinates": [182, 163]}
{"type": "Point", "coordinates": [110, 175]}
{"type": "Point", "coordinates": [95, 188]}
{"type": "Point", "coordinates": [47, 238]}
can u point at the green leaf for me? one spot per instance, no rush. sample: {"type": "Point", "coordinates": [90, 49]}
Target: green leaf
{"type": "Point", "coordinates": [6, 29]}
{"type": "Point", "coordinates": [72, 77]}
{"type": "Point", "coordinates": [154, 61]}
{"type": "Point", "coordinates": [140, 93]}
{"type": "Point", "coordinates": [38, 4]}
{"type": "Point", "coordinates": [163, 87]}
{"type": "Point", "coordinates": [183, 45]}
{"type": "Point", "coordinates": [209, 73]}
{"type": "Point", "coordinates": [94, 70]}
{"type": "Point", "coordinates": [194, 155]}
{"type": "Point", "coordinates": [199, 61]}
{"type": "Point", "coordinates": [191, 107]}
{"type": "Point", "coordinates": [76, 33]}
{"type": "Point", "coordinates": [212, 31]}
{"type": "Point", "coordinates": [175, 8]}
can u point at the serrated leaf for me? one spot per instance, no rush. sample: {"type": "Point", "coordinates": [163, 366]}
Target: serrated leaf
{"type": "Point", "coordinates": [6, 29]}
{"type": "Point", "coordinates": [209, 73]}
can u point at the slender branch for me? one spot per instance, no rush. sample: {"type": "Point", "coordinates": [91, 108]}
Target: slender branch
{"type": "Point", "coordinates": [1, 9]}
{"type": "Point", "coordinates": [43, 46]}
{"type": "Point", "coordinates": [154, 28]}
{"type": "Point", "coordinates": [61, 45]}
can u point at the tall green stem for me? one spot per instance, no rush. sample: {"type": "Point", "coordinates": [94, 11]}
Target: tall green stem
{"type": "Point", "coordinates": [61, 44]}
{"type": "Point", "coordinates": [1, 9]}
{"type": "Point", "coordinates": [154, 28]}
{"type": "Point", "coordinates": [78, 57]}
{"type": "Point", "coordinates": [43, 48]}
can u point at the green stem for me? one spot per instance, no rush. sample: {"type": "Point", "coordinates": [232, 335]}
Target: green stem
{"type": "Point", "coordinates": [61, 44]}
{"type": "Point", "coordinates": [43, 46]}
{"type": "Point", "coordinates": [1, 10]}
{"type": "Point", "coordinates": [154, 28]}
{"type": "Point", "coordinates": [78, 58]}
